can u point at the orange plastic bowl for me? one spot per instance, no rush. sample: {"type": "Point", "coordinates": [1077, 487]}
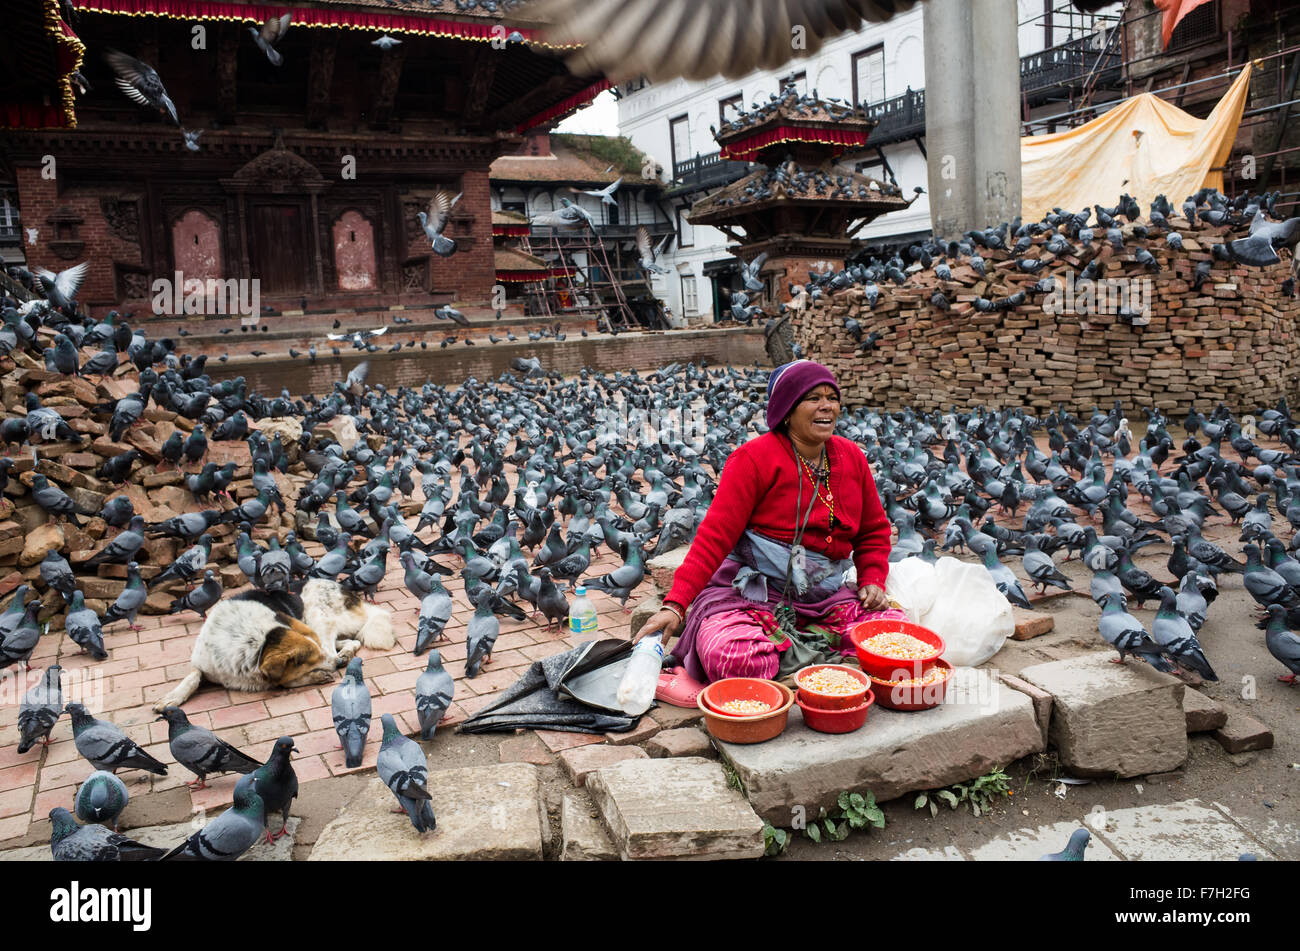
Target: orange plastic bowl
{"type": "Point", "coordinates": [721, 692]}
{"type": "Point", "coordinates": [755, 729]}
{"type": "Point", "coordinates": [834, 701]}
{"type": "Point", "coordinates": [834, 721]}
{"type": "Point", "coordinates": [880, 667]}
{"type": "Point", "coordinates": [894, 697]}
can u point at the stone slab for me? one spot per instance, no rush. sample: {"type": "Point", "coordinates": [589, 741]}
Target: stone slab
{"type": "Point", "coordinates": [483, 812]}
{"type": "Point", "coordinates": [583, 837]}
{"type": "Point", "coordinates": [986, 725]}
{"type": "Point", "coordinates": [581, 761]}
{"type": "Point", "coordinates": [172, 835]}
{"type": "Point", "coordinates": [1032, 844]}
{"type": "Point", "coordinates": [1280, 835]}
{"type": "Point", "coordinates": [1113, 720]}
{"type": "Point", "coordinates": [1242, 733]}
{"type": "Point", "coordinates": [642, 611]}
{"type": "Point", "coordinates": [1202, 713]}
{"type": "Point", "coordinates": [663, 567]}
{"type": "Point", "coordinates": [949, 853]}
{"type": "Point", "coordinates": [675, 808]}
{"type": "Point", "coordinates": [1182, 831]}
{"type": "Point", "coordinates": [686, 741]}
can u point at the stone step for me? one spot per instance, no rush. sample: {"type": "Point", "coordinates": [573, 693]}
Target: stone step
{"type": "Point", "coordinates": [483, 812]}
{"type": "Point", "coordinates": [1113, 720]}
{"type": "Point", "coordinates": [675, 808]}
{"type": "Point", "coordinates": [583, 837]}
{"type": "Point", "coordinates": [986, 724]}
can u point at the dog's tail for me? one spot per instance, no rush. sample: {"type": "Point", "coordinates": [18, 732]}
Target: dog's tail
{"type": "Point", "coordinates": [377, 631]}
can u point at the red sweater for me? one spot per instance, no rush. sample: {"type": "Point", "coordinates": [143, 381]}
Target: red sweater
{"type": "Point", "coordinates": [758, 490]}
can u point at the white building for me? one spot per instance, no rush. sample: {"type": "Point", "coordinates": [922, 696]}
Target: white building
{"type": "Point", "coordinates": [882, 66]}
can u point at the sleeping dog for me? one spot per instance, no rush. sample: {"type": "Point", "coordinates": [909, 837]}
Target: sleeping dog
{"type": "Point", "coordinates": [258, 640]}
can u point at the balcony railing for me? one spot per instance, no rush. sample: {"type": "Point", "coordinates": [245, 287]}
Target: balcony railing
{"type": "Point", "coordinates": [1069, 64]}
{"type": "Point", "coordinates": [898, 119]}
{"type": "Point", "coordinates": [707, 171]}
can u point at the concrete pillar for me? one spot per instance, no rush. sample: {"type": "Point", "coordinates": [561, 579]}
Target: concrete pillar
{"type": "Point", "coordinates": [972, 105]}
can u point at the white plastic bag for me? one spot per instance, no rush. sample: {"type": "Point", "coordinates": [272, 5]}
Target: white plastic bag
{"type": "Point", "coordinates": [956, 600]}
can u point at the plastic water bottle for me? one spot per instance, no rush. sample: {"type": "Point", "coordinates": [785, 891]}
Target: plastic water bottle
{"type": "Point", "coordinates": [582, 613]}
{"type": "Point", "coordinates": [636, 691]}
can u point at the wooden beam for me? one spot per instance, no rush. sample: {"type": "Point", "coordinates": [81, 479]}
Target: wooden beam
{"type": "Point", "coordinates": [320, 76]}
{"type": "Point", "coordinates": [520, 109]}
{"type": "Point", "coordinates": [480, 83]}
{"type": "Point", "coordinates": [227, 73]}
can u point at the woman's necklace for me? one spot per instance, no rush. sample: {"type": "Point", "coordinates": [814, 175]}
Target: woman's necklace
{"type": "Point", "coordinates": [816, 477]}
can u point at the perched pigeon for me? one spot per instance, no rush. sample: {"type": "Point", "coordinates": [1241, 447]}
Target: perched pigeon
{"type": "Point", "coordinates": [350, 704]}
{"type": "Point", "coordinates": [433, 694]}
{"type": "Point", "coordinates": [84, 627]}
{"type": "Point", "coordinates": [40, 709]}
{"type": "Point", "coordinates": [101, 798]}
{"type": "Point", "coordinates": [93, 843]}
{"type": "Point", "coordinates": [200, 750]}
{"type": "Point", "coordinates": [277, 784]}
{"type": "Point", "coordinates": [229, 835]}
{"type": "Point", "coordinates": [405, 771]}
{"type": "Point", "coordinates": [1073, 851]}
{"type": "Point", "coordinates": [106, 746]}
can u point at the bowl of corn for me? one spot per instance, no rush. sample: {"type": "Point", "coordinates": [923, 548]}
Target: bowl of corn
{"type": "Point", "coordinates": [831, 686]}
{"type": "Point", "coordinates": [895, 650]}
{"type": "Point", "coordinates": [725, 703]}
{"type": "Point", "coordinates": [844, 720]}
{"type": "Point", "coordinates": [914, 693]}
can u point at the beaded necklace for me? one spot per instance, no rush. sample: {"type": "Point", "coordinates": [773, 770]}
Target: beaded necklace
{"type": "Point", "coordinates": [817, 476]}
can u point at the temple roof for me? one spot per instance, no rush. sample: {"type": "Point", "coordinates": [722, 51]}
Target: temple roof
{"type": "Point", "coordinates": [588, 160]}
{"type": "Point", "coordinates": [843, 125]}
{"type": "Point", "coordinates": [788, 183]}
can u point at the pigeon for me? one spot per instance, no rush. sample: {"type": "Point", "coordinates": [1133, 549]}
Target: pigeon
{"type": "Point", "coordinates": [271, 32]}
{"type": "Point", "coordinates": [229, 835]}
{"type": "Point", "coordinates": [386, 42]}
{"type": "Point", "coordinates": [61, 289]}
{"type": "Point", "coordinates": [106, 747]}
{"type": "Point", "coordinates": [140, 83]}
{"type": "Point", "coordinates": [40, 709]}
{"type": "Point", "coordinates": [1004, 579]}
{"type": "Point", "coordinates": [188, 564]}
{"type": "Point", "coordinates": [277, 784]}
{"type": "Point", "coordinates": [606, 194]}
{"type": "Point", "coordinates": [435, 611]}
{"type": "Point", "coordinates": [101, 797]}
{"type": "Point", "coordinates": [1126, 634]}
{"type": "Point", "coordinates": [57, 574]}
{"type": "Point", "coordinates": [202, 598]}
{"type": "Point", "coordinates": [70, 842]}
{"type": "Point", "coordinates": [1172, 632]}
{"type": "Point", "coordinates": [435, 221]}
{"type": "Point", "coordinates": [1258, 248]}
{"type": "Point", "coordinates": [1040, 567]}
{"type": "Point", "coordinates": [200, 750]}
{"type": "Point", "coordinates": [123, 547]}
{"type": "Point", "coordinates": [405, 771]}
{"type": "Point", "coordinates": [648, 253]}
{"type": "Point", "coordinates": [350, 704]}
{"type": "Point", "coordinates": [434, 690]}
{"type": "Point", "coordinates": [1074, 849]}
{"type": "Point", "coordinates": [17, 644]}
{"type": "Point", "coordinates": [85, 628]}
{"type": "Point", "coordinates": [480, 635]}
{"type": "Point", "coordinates": [55, 501]}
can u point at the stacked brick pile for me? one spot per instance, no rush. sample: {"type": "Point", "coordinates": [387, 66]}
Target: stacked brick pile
{"type": "Point", "coordinates": [27, 534]}
{"type": "Point", "coordinates": [1235, 340]}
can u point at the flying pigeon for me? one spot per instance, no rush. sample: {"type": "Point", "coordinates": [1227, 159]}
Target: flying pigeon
{"type": "Point", "coordinates": [140, 83]}
{"type": "Point", "coordinates": [435, 220]}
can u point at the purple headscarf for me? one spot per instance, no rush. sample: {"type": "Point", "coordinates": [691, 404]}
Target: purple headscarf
{"type": "Point", "coordinates": [789, 383]}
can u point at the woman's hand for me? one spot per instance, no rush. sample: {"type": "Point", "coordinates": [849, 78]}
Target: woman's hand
{"type": "Point", "coordinates": [873, 597]}
{"type": "Point", "coordinates": [663, 621]}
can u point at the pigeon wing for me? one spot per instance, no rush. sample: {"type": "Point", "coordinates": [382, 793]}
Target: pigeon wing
{"type": "Point", "coordinates": [439, 212]}
{"type": "Point", "coordinates": [643, 246]}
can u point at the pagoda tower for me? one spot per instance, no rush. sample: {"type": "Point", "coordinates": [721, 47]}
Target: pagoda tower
{"type": "Point", "coordinates": [799, 207]}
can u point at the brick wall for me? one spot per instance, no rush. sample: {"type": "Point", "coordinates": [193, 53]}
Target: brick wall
{"type": "Point", "coordinates": [1235, 340]}
{"type": "Point", "coordinates": [471, 272]}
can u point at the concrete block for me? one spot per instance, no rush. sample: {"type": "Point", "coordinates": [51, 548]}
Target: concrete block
{"type": "Point", "coordinates": [985, 724]}
{"type": "Point", "coordinates": [580, 761]}
{"type": "Point", "coordinates": [675, 808]}
{"type": "Point", "coordinates": [483, 812]}
{"type": "Point", "coordinates": [583, 837]}
{"type": "Point", "coordinates": [1113, 720]}
{"type": "Point", "coordinates": [1031, 623]}
{"type": "Point", "coordinates": [1202, 713]}
{"type": "Point", "coordinates": [1242, 733]}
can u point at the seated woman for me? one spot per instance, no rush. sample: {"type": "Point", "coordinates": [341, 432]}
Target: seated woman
{"type": "Point", "coordinates": [795, 509]}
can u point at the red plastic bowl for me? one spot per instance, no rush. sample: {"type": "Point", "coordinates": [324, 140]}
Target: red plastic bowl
{"type": "Point", "coordinates": [742, 688]}
{"type": "Point", "coordinates": [834, 701]}
{"type": "Point", "coordinates": [834, 721]}
{"type": "Point", "coordinates": [893, 697]}
{"type": "Point", "coordinates": [891, 668]}
{"type": "Point", "coordinates": [755, 729]}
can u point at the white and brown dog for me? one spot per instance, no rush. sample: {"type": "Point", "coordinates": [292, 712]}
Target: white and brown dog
{"type": "Point", "coordinates": [257, 640]}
